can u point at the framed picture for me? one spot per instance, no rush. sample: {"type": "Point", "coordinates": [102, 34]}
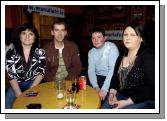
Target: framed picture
{"type": "Point", "coordinates": [119, 11]}
{"type": "Point", "coordinates": [137, 8]}
{"type": "Point", "coordinates": [137, 17]}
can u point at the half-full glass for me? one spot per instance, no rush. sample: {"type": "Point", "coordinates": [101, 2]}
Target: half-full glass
{"type": "Point", "coordinates": [60, 87]}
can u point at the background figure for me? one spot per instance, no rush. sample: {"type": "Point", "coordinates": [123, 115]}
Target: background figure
{"type": "Point", "coordinates": [62, 56]}
{"type": "Point", "coordinates": [25, 63]}
{"type": "Point", "coordinates": [8, 45]}
{"type": "Point", "coordinates": [101, 62]}
{"type": "Point", "coordinates": [133, 82]}
{"type": "Point", "coordinates": [8, 39]}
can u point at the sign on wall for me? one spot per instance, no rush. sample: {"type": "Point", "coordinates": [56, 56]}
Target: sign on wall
{"type": "Point", "coordinates": [114, 34]}
{"type": "Point", "coordinates": [47, 10]}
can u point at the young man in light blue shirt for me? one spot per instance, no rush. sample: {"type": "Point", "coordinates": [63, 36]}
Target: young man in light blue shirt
{"type": "Point", "coordinates": [101, 62]}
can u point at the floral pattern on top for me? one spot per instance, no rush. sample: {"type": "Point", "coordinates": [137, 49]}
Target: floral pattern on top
{"type": "Point", "coordinates": [21, 71]}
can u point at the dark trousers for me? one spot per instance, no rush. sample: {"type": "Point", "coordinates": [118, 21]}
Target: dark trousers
{"type": "Point", "coordinates": [100, 82]}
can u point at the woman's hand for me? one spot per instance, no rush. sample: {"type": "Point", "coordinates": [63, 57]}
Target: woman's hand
{"type": "Point", "coordinates": [112, 98]}
{"type": "Point", "coordinates": [122, 103]}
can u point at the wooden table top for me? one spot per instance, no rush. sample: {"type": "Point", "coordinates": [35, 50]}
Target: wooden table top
{"type": "Point", "coordinates": [86, 99]}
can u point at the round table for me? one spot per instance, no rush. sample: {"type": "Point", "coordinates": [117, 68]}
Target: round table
{"type": "Point", "coordinates": [85, 99]}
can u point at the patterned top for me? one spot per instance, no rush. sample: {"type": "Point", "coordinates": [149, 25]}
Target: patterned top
{"type": "Point", "coordinates": [140, 81]}
{"type": "Point", "coordinates": [122, 75]}
{"type": "Point", "coordinates": [19, 70]}
{"type": "Point", "coordinates": [61, 71]}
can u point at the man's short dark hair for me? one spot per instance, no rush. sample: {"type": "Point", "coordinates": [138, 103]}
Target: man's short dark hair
{"type": "Point", "coordinates": [60, 21]}
{"type": "Point", "coordinates": [100, 30]}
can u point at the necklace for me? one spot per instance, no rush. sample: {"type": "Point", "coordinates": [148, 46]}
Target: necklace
{"type": "Point", "coordinates": [128, 61]}
{"type": "Point", "coordinates": [131, 59]}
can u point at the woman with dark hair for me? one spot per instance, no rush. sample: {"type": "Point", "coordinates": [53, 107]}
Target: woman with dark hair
{"type": "Point", "coordinates": [133, 82]}
{"type": "Point", "coordinates": [25, 63]}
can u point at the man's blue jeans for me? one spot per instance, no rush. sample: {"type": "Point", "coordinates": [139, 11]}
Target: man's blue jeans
{"type": "Point", "coordinates": [149, 104]}
{"type": "Point", "coordinates": [10, 95]}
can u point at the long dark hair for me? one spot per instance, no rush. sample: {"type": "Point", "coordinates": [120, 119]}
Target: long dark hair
{"type": "Point", "coordinates": [17, 43]}
{"type": "Point", "coordinates": [139, 29]}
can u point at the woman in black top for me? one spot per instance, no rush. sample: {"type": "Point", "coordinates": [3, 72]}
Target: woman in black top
{"type": "Point", "coordinates": [25, 63]}
{"type": "Point", "coordinates": [133, 82]}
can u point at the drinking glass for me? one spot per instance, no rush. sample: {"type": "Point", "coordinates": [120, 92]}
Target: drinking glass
{"type": "Point", "coordinates": [75, 85]}
{"type": "Point", "coordinates": [60, 87]}
{"type": "Point", "coordinates": [70, 98]}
